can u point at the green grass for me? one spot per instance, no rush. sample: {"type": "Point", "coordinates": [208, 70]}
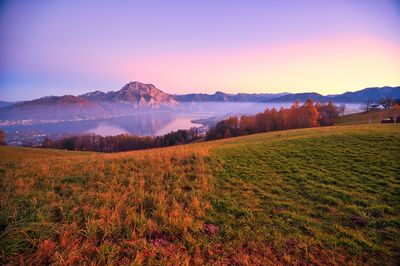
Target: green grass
{"type": "Point", "coordinates": [371, 117]}
{"type": "Point", "coordinates": [311, 196]}
{"type": "Point", "coordinates": [336, 193]}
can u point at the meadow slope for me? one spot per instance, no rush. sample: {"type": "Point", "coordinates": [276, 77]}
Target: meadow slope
{"type": "Point", "coordinates": [371, 117]}
{"type": "Point", "coordinates": [323, 196]}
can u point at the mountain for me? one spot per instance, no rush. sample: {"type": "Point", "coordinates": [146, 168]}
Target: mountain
{"type": "Point", "coordinates": [299, 96]}
{"type": "Point", "coordinates": [135, 93]}
{"type": "Point", "coordinates": [203, 97]}
{"type": "Point", "coordinates": [363, 95]}
{"type": "Point", "coordinates": [54, 100]}
{"type": "Point", "coordinates": [53, 107]}
{"type": "Point", "coordinates": [224, 97]}
{"type": "Point", "coordinates": [373, 94]}
{"type": "Point", "coordinates": [132, 97]}
{"type": "Point", "coordinates": [95, 96]}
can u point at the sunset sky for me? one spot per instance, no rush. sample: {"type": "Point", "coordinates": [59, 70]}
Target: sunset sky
{"type": "Point", "coordinates": [72, 47]}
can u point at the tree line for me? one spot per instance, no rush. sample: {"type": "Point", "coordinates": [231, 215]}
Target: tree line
{"type": "Point", "coordinates": [297, 116]}
{"type": "Point", "coordinates": [123, 142]}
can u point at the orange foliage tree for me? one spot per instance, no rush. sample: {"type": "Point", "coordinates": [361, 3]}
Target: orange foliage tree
{"type": "Point", "coordinates": [297, 116]}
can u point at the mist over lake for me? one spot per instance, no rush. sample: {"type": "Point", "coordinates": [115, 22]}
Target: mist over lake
{"type": "Point", "coordinates": [150, 123]}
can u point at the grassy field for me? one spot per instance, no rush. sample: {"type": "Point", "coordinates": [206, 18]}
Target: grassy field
{"type": "Point", "coordinates": [327, 196]}
{"type": "Point", "coordinates": [371, 117]}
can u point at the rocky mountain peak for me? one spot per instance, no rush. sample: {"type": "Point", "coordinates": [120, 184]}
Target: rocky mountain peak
{"type": "Point", "coordinates": [143, 95]}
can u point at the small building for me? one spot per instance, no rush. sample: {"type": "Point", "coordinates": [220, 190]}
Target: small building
{"type": "Point", "coordinates": [376, 107]}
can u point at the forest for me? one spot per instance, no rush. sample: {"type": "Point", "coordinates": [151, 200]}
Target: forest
{"type": "Point", "coordinates": [297, 116]}
{"type": "Point", "coordinates": [122, 142]}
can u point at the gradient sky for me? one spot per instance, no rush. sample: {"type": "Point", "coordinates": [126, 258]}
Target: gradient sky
{"type": "Point", "coordinates": [72, 47]}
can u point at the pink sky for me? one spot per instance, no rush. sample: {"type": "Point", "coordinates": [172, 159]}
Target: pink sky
{"type": "Point", "coordinates": [327, 65]}
{"type": "Point", "coordinates": [72, 47]}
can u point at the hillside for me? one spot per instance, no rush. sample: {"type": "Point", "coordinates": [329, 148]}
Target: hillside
{"type": "Point", "coordinates": [302, 97]}
{"type": "Point", "coordinates": [53, 107]}
{"type": "Point", "coordinates": [373, 94]}
{"type": "Point", "coordinates": [311, 196]}
{"type": "Point", "coordinates": [371, 117]}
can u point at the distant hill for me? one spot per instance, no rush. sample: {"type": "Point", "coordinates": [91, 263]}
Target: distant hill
{"type": "Point", "coordinates": [224, 97]}
{"type": "Point", "coordinates": [373, 94]}
{"type": "Point", "coordinates": [53, 107]}
{"type": "Point", "coordinates": [54, 100]}
{"type": "Point", "coordinates": [299, 96]}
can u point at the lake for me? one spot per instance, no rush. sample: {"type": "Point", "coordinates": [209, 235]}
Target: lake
{"type": "Point", "coordinates": [153, 123]}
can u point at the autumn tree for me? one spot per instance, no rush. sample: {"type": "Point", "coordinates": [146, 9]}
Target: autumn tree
{"type": "Point", "coordinates": [327, 114]}
{"type": "Point", "coordinates": [394, 112]}
{"type": "Point", "coordinates": [293, 115]}
{"type": "Point", "coordinates": [309, 114]}
{"type": "Point", "coordinates": [224, 129]}
{"type": "Point", "coordinates": [247, 125]}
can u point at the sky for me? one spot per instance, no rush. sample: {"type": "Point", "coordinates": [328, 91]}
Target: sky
{"type": "Point", "coordinates": [72, 47]}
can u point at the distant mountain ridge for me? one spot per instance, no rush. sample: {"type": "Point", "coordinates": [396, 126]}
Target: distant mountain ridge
{"type": "Point", "coordinates": [225, 97]}
{"type": "Point", "coordinates": [136, 96]}
{"type": "Point", "coordinates": [373, 94]}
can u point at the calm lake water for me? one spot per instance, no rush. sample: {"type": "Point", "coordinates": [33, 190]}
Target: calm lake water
{"type": "Point", "coordinates": [155, 123]}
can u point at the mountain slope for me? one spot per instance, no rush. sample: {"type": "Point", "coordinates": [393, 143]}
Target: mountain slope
{"type": "Point", "coordinates": [253, 199]}
{"type": "Point", "coordinates": [53, 107]}
{"type": "Point", "coordinates": [301, 97]}
{"type": "Point", "coordinates": [373, 94]}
